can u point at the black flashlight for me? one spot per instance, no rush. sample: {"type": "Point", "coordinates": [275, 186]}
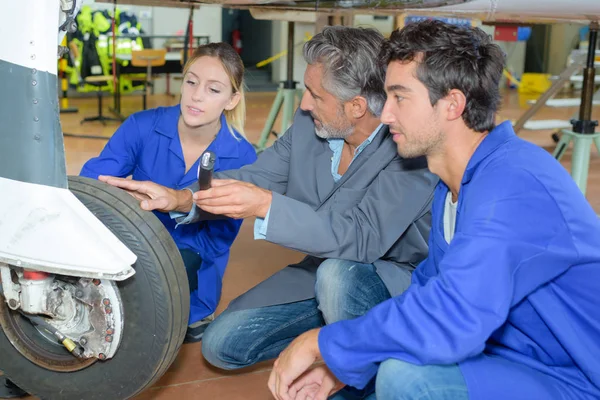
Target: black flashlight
{"type": "Point", "coordinates": [205, 169]}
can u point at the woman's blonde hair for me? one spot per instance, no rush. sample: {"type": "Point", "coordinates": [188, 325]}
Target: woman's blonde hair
{"type": "Point", "coordinates": [234, 67]}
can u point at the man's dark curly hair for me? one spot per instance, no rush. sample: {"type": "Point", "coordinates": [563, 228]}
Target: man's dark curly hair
{"type": "Point", "coordinates": [452, 57]}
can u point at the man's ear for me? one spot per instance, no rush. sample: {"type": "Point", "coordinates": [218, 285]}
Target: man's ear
{"type": "Point", "coordinates": [358, 107]}
{"type": "Point", "coordinates": [235, 99]}
{"type": "Point", "coordinates": [456, 102]}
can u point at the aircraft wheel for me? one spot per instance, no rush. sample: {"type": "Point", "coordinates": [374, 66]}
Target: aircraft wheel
{"type": "Point", "coordinates": [153, 306]}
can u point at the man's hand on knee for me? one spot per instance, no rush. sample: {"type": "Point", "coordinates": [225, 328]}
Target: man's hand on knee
{"type": "Point", "coordinates": [298, 357]}
{"type": "Point", "coordinates": [317, 384]}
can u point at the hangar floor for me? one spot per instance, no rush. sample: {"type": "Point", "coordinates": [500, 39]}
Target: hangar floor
{"type": "Point", "coordinates": [190, 377]}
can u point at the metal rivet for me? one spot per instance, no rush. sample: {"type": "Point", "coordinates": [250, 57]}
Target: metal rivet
{"type": "Point", "coordinates": [108, 338]}
{"type": "Point", "coordinates": [37, 137]}
{"type": "Point", "coordinates": [32, 42]}
{"type": "Point", "coordinates": [35, 101]}
{"type": "Point", "coordinates": [101, 356]}
{"type": "Point", "coordinates": [33, 56]}
{"type": "Point", "coordinates": [36, 119]}
{"type": "Point", "coordinates": [34, 83]}
{"type": "Point", "coordinates": [34, 71]}
{"type": "Point", "coordinates": [83, 341]}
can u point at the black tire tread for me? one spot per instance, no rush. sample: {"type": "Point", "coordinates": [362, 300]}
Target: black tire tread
{"type": "Point", "coordinates": [166, 246]}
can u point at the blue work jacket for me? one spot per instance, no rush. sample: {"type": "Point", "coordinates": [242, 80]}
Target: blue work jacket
{"type": "Point", "coordinates": [147, 146]}
{"type": "Point", "coordinates": [513, 299]}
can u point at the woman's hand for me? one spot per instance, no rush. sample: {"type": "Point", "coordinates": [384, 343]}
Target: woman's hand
{"type": "Point", "coordinates": [153, 196]}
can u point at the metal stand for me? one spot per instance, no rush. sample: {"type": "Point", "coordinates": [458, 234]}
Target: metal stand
{"type": "Point", "coordinates": [116, 109]}
{"type": "Point", "coordinates": [563, 78]}
{"type": "Point", "coordinates": [583, 132]}
{"type": "Point", "coordinates": [64, 82]}
{"type": "Point", "coordinates": [286, 97]}
{"type": "Point", "coordinates": [99, 117]}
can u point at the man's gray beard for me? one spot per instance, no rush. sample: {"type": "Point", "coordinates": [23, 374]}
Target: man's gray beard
{"type": "Point", "coordinates": [327, 132]}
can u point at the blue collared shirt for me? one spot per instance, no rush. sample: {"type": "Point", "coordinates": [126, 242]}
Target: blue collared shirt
{"type": "Point", "coordinates": [336, 146]}
{"type": "Point", "coordinates": [147, 146]}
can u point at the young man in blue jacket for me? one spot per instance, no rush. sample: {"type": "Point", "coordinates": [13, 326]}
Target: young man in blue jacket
{"type": "Point", "coordinates": [507, 304]}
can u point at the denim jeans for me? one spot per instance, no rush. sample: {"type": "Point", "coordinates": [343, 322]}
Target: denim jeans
{"type": "Point", "coordinates": [399, 380]}
{"type": "Point", "coordinates": [344, 290]}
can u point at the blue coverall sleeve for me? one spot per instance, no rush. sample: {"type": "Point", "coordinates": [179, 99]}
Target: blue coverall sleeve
{"type": "Point", "coordinates": [449, 318]}
{"type": "Point", "coordinates": [119, 156]}
{"type": "Point", "coordinates": [426, 267]}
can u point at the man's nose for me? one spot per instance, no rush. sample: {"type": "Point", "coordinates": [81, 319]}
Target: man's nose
{"type": "Point", "coordinates": [307, 103]}
{"type": "Point", "coordinates": [387, 117]}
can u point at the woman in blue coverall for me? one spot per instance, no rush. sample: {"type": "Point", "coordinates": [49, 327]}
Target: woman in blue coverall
{"type": "Point", "coordinates": [164, 144]}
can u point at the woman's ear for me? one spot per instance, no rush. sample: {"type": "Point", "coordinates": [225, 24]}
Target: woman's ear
{"type": "Point", "coordinates": [233, 101]}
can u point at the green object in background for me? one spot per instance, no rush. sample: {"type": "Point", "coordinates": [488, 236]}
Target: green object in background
{"type": "Point", "coordinates": [582, 147]}
{"type": "Point", "coordinates": [99, 24]}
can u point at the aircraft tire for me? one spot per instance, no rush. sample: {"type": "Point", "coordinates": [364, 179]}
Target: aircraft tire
{"type": "Point", "coordinates": [155, 303]}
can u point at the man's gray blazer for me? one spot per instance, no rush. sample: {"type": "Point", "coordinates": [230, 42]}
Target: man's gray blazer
{"type": "Point", "coordinates": [378, 212]}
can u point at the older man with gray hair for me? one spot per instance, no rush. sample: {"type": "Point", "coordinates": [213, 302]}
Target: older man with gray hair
{"type": "Point", "coordinates": [332, 187]}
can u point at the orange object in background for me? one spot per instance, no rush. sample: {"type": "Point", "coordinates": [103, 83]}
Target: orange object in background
{"type": "Point", "coordinates": [34, 275]}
